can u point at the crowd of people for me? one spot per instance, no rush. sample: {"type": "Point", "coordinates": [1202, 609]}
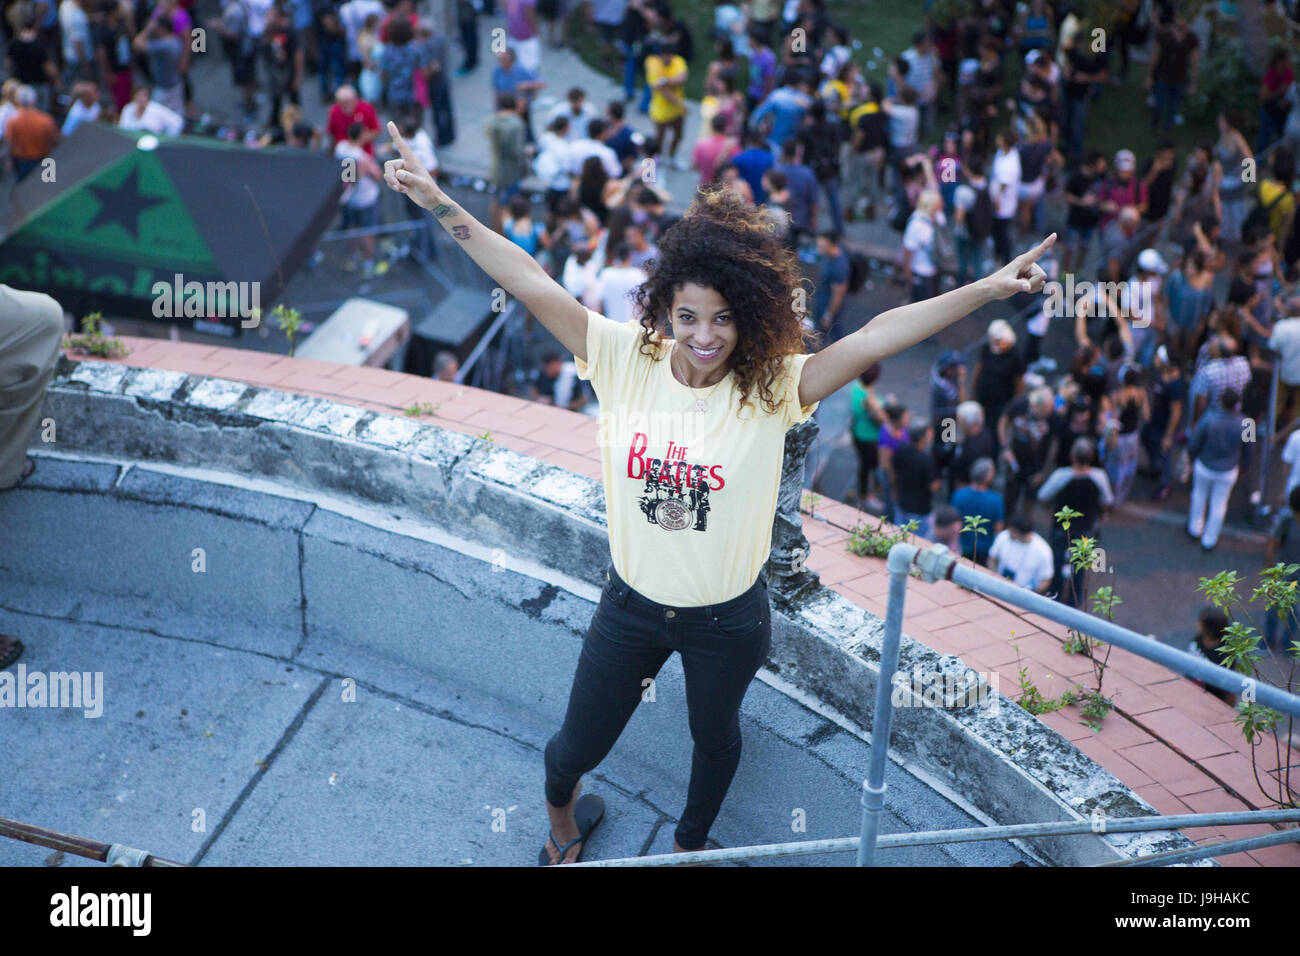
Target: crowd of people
{"type": "Point", "coordinates": [1179, 274]}
{"type": "Point", "coordinates": [128, 62]}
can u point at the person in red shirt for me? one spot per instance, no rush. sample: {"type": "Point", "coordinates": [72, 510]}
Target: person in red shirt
{"type": "Point", "coordinates": [349, 108]}
{"type": "Point", "coordinates": [711, 151]}
{"type": "Point", "coordinates": [1273, 105]}
{"type": "Point", "coordinates": [403, 8]}
{"type": "Point", "coordinates": [31, 134]}
{"type": "Point", "coordinates": [1122, 188]}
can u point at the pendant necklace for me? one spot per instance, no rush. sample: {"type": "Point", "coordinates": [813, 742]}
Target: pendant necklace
{"type": "Point", "coordinates": [701, 404]}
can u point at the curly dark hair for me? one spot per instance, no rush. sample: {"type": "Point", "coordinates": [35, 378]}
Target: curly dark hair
{"type": "Point", "coordinates": [729, 245]}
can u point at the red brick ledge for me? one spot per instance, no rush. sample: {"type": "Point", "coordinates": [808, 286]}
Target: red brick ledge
{"type": "Point", "coordinates": [1171, 742]}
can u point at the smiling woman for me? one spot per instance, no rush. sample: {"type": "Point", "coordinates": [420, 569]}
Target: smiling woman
{"type": "Point", "coordinates": [692, 441]}
{"type": "Point", "coordinates": [724, 280]}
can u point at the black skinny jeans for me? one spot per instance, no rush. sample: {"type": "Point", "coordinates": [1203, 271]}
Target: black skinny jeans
{"type": "Point", "coordinates": [722, 646]}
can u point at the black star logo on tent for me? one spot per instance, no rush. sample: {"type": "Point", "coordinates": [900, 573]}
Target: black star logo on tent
{"type": "Point", "coordinates": [123, 204]}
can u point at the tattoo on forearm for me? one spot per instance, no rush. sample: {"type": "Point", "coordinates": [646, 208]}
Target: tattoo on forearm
{"type": "Point", "coordinates": [460, 232]}
{"type": "Point", "coordinates": [443, 211]}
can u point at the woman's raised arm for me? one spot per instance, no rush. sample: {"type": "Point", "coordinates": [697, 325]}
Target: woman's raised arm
{"type": "Point", "coordinates": [511, 267]}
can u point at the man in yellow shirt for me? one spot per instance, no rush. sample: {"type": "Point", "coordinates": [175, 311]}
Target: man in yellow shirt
{"type": "Point", "coordinates": [1275, 193]}
{"type": "Point", "coordinates": [665, 74]}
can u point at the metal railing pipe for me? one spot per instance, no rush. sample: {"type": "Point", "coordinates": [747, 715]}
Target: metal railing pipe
{"type": "Point", "coordinates": [114, 854]}
{"type": "Point", "coordinates": [1212, 849]}
{"type": "Point", "coordinates": [938, 562]}
{"type": "Point", "coordinates": [873, 788]}
{"type": "Point", "coordinates": [890, 841]}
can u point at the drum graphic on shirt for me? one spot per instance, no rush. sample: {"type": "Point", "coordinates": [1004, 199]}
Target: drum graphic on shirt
{"type": "Point", "coordinates": [673, 506]}
{"type": "Point", "coordinates": [673, 515]}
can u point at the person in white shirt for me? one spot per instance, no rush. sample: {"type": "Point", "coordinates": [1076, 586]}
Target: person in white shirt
{"type": "Point", "coordinates": [78, 50]}
{"type": "Point", "coordinates": [612, 290]}
{"type": "Point", "coordinates": [583, 148]}
{"type": "Point", "coordinates": [360, 200]}
{"type": "Point", "coordinates": [422, 237]}
{"type": "Point", "coordinates": [1285, 341]}
{"type": "Point", "coordinates": [1005, 191]}
{"type": "Point", "coordinates": [422, 146]}
{"type": "Point", "coordinates": [1291, 455]}
{"type": "Point", "coordinates": [353, 16]}
{"type": "Point", "coordinates": [1021, 554]}
{"type": "Point", "coordinates": [85, 107]}
{"type": "Point", "coordinates": [578, 112]}
{"type": "Point", "coordinates": [258, 11]}
{"type": "Point", "coordinates": [580, 270]}
{"type": "Point", "coordinates": [919, 267]}
{"type": "Point", "coordinates": [146, 114]}
{"type": "Point", "coordinates": [553, 164]}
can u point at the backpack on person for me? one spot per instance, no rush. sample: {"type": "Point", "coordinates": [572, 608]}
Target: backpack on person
{"type": "Point", "coordinates": [1257, 223]}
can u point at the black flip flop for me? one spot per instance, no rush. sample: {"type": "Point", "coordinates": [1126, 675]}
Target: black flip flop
{"type": "Point", "coordinates": [15, 652]}
{"type": "Point", "coordinates": [586, 813]}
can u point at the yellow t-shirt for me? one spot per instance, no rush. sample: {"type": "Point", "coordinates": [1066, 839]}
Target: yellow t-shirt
{"type": "Point", "coordinates": [841, 90]}
{"type": "Point", "coordinates": [690, 497]}
{"type": "Point", "coordinates": [1269, 191]}
{"type": "Point", "coordinates": [861, 111]}
{"type": "Point", "coordinates": [661, 109]}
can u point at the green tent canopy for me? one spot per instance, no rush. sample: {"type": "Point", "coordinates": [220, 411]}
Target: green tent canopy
{"type": "Point", "coordinates": [174, 229]}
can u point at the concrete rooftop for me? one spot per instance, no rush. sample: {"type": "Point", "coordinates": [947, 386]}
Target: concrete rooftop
{"type": "Point", "coordinates": [225, 692]}
{"type": "Point", "coordinates": [448, 565]}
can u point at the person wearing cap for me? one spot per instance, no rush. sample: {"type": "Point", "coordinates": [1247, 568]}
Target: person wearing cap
{"type": "Point", "coordinates": [1122, 188]}
{"type": "Point", "coordinates": [1146, 310]}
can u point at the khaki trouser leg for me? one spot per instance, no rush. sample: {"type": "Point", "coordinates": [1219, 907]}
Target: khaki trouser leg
{"type": "Point", "coordinates": [31, 331]}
